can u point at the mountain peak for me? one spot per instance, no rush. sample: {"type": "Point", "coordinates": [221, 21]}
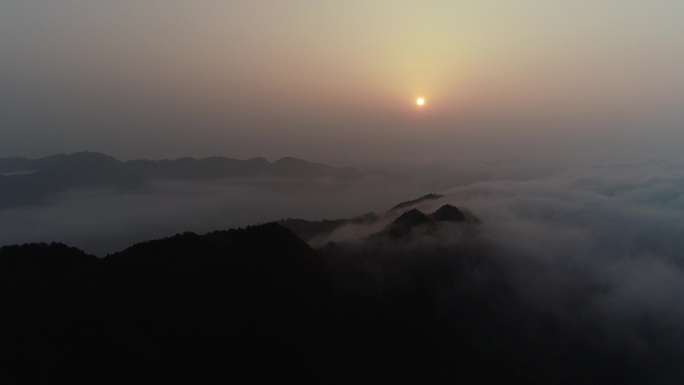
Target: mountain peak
{"type": "Point", "coordinates": [403, 225]}
{"type": "Point", "coordinates": [448, 213]}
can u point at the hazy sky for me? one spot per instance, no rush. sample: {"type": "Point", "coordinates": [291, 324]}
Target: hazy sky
{"type": "Point", "coordinates": [336, 81]}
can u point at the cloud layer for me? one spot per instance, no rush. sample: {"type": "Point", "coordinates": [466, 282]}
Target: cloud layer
{"type": "Point", "coordinates": [598, 247]}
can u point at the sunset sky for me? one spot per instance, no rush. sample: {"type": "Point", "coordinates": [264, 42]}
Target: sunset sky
{"type": "Point", "coordinates": [337, 81]}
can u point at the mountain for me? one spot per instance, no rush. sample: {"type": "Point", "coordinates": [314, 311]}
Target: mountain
{"type": "Point", "coordinates": [448, 213]}
{"type": "Point", "coordinates": [400, 227]}
{"type": "Point", "coordinates": [181, 309]}
{"type": "Point", "coordinates": [36, 181]}
{"type": "Point", "coordinates": [309, 230]}
{"type": "Point", "coordinates": [244, 305]}
{"type": "Point", "coordinates": [422, 301]}
{"type": "Point", "coordinates": [406, 222]}
{"type": "Point", "coordinates": [413, 202]}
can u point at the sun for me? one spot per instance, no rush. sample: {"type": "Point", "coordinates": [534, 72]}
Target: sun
{"type": "Point", "coordinates": [420, 102]}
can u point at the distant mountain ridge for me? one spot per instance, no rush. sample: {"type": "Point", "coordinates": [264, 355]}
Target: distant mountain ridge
{"type": "Point", "coordinates": [31, 181]}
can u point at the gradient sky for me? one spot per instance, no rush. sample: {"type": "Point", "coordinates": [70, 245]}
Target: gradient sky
{"type": "Point", "coordinates": [336, 81]}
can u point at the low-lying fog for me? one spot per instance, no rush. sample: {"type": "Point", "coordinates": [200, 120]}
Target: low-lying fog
{"type": "Point", "coordinates": [619, 208]}
{"type": "Point", "coordinates": [105, 220]}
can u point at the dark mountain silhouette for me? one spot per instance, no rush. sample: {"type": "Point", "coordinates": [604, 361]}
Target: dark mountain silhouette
{"type": "Point", "coordinates": [36, 181]}
{"type": "Point", "coordinates": [258, 305]}
{"type": "Point", "coordinates": [413, 202]}
{"type": "Point", "coordinates": [406, 222]}
{"type": "Point", "coordinates": [448, 213]}
{"type": "Point", "coordinates": [182, 309]}
{"type": "Point", "coordinates": [309, 230]}
{"type": "Point", "coordinates": [414, 218]}
{"type": "Point", "coordinates": [400, 227]}
{"type": "Point", "coordinates": [366, 219]}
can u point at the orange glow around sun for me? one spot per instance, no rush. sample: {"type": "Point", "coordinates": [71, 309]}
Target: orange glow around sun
{"type": "Point", "coordinates": [420, 102]}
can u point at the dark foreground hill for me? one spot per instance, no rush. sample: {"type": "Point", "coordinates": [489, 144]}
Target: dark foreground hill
{"type": "Point", "coordinates": [258, 305]}
{"type": "Point", "coordinates": [238, 304]}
